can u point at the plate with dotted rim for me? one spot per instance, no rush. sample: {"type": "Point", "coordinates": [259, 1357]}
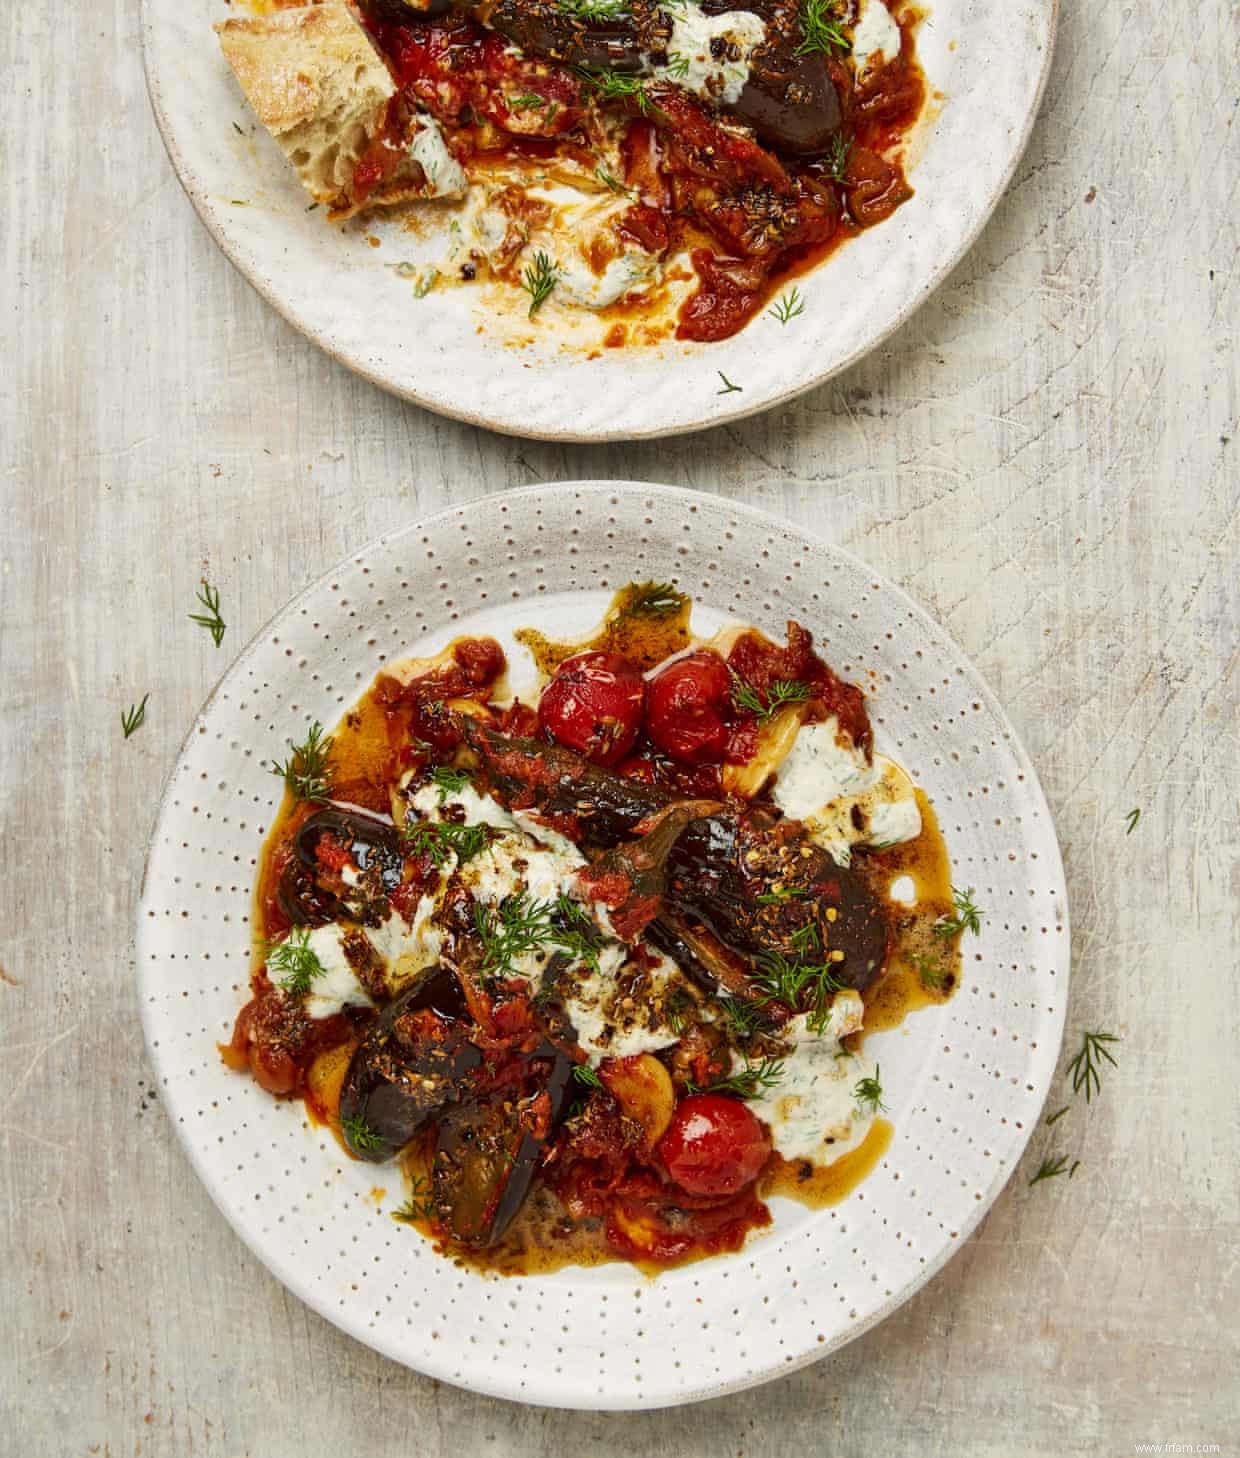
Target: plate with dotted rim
{"type": "Point", "coordinates": [964, 1082]}
{"type": "Point", "coordinates": [986, 64]}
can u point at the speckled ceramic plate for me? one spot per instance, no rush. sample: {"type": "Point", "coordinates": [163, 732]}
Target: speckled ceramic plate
{"type": "Point", "coordinates": [986, 61]}
{"type": "Point", "coordinates": [964, 1082]}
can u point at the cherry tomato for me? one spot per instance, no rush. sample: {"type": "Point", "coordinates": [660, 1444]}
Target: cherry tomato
{"type": "Point", "coordinates": [714, 1145]}
{"type": "Point", "coordinates": [684, 708]}
{"type": "Point", "coordinates": [594, 705]}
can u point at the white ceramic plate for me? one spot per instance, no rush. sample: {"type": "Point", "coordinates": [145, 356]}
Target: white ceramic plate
{"type": "Point", "coordinates": [987, 60]}
{"type": "Point", "coordinates": [964, 1082]}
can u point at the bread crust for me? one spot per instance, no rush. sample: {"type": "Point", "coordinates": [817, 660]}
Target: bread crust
{"type": "Point", "coordinates": [319, 86]}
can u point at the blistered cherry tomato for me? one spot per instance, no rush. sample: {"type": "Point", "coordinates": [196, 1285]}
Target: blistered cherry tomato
{"type": "Point", "coordinates": [594, 705]}
{"type": "Point", "coordinates": [714, 1145]}
{"type": "Point", "coordinates": [684, 708]}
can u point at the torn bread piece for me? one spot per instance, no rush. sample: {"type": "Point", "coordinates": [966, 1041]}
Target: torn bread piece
{"type": "Point", "coordinates": [316, 82]}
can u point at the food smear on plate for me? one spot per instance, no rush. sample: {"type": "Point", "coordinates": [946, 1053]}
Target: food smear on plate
{"type": "Point", "coordinates": [595, 962]}
{"type": "Point", "coordinates": [664, 167]}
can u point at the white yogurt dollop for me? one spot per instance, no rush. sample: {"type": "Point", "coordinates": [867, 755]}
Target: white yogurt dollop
{"type": "Point", "coordinates": [445, 177]}
{"type": "Point", "coordinates": [876, 36]}
{"type": "Point", "coordinates": [401, 949]}
{"type": "Point", "coordinates": [692, 62]}
{"type": "Point", "coordinates": [844, 801]}
{"type": "Point", "coordinates": [813, 1111]}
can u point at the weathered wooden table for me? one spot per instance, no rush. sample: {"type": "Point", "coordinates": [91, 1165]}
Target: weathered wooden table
{"type": "Point", "coordinates": [1045, 456]}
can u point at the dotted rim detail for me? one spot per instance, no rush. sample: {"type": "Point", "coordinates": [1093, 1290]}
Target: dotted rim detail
{"type": "Point", "coordinates": [966, 1082]}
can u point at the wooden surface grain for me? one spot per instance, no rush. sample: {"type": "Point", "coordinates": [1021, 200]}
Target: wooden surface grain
{"type": "Point", "coordinates": [1045, 456]}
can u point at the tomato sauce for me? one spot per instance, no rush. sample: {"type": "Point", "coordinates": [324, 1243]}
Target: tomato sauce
{"type": "Point", "coordinates": [748, 216]}
{"type": "Point", "coordinates": [603, 1190]}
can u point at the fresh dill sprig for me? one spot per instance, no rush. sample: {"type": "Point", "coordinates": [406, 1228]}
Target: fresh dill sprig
{"type": "Point", "coordinates": [968, 916]}
{"type": "Point", "coordinates": [1133, 818]}
{"type": "Point", "coordinates": [930, 971]}
{"type": "Point", "coordinates": [820, 25]}
{"type": "Point", "coordinates": [539, 279]}
{"type": "Point", "coordinates": [526, 102]}
{"type": "Point", "coordinates": [307, 771]}
{"type": "Point", "coordinates": [1086, 1067]}
{"type": "Point", "coordinates": [573, 930]}
{"type": "Point", "coordinates": [359, 1133]}
{"type": "Point", "coordinates": [653, 599]}
{"type": "Point", "coordinates": [787, 306]}
{"type": "Point", "coordinates": [210, 619]}
{"type": "Point", "coordinates": [805, 939]}
{"type": "Point", "coordinates": [728, 387]}
{"type": "Point", "coordinates": [611, 181]}
{"type": "Point", "coordinates": [819, 1021]}
{"type": "Point", "coordinates": [615, 86]}
{"type": "Point", "coordinates": [836, 161]}
{"type": "Point", "coordinates": [744, 1018]}
{"type": "Point", "coordinates": [785, 979]}
{"type": "Point", "coordinates": [465, 841]}
{"type": "Point", "coordinates": [440, 838]}
{"type": "Point", "coordinates": [1049, 1168]}
{"type": "Point", "coordinates": [449, 781]}
{"type": "Point", "coordinates": [870, 1091]}
{"type": "Point", "coordinates": [778, 978]}
{"type": "Point", "coordinates": [583, 1073]}
{"type": "Point", "coordinates": [676, 1010]}
{"type": "Point", "coordinates": [592, 9]}
{"type": "Point", "coordinates": [745, 697]}
{"type": "Point", "coordinates": [677, 65]}
{"type": "Point", "coordinates": [748, 1083]}
{"type": "Point", "coordinates": [781, 893]}
{"type": "Point", "coordinates": [295, 961]}
{"type": "Point", "coordinates": [133, 718]}
{"type": "Point", "coordinates": [421, 1202]}
{"type": "Point", "coordinates": [1057, 1115]}
{"type": "Point", "coordinates": [519, 924]}
{"type": "Point", "coordinates": [422, 839]}
{"type": "Point", "coordinates": [785, 691]}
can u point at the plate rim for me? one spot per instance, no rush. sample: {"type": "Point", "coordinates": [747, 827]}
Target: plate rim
{"type": "Point", "coordinates": [281, 1266]}
{"type": "Point", "coordinates": [211, 216]}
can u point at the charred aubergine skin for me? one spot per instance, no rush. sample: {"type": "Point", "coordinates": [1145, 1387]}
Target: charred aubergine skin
{"type": "Point", "coordinates": [698, 890]}
{"type": "Point", "coordinates": [487, 1149]}
{"type": "Point", "coordinates": [310, 896]}
{"type": "Point", "coordinates": [407, 1068]}
{"type": "Point", "coordinates": [420, 1064]}
{"type": "Point", "coordinates": [531, 774]}
{"type": "Point", "coordinates": [723, 863]}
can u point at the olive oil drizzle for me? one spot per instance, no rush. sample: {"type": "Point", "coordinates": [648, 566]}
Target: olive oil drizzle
{"type": "Point", "coordinates": [637, 625]}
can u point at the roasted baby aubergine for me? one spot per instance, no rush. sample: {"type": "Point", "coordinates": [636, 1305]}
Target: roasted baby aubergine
{"type": "Point", "coordinates": [408, 1067]}
{"type": "Point", "coordinates": [311, 894]}
{"type": "Point", "coordinates": [493, 1115]}
{"type": "Point", "coordinates": [699, 878]}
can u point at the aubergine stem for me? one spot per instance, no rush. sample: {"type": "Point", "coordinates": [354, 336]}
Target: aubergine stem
{"type": "Point", "coordinates": [632, 878]}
